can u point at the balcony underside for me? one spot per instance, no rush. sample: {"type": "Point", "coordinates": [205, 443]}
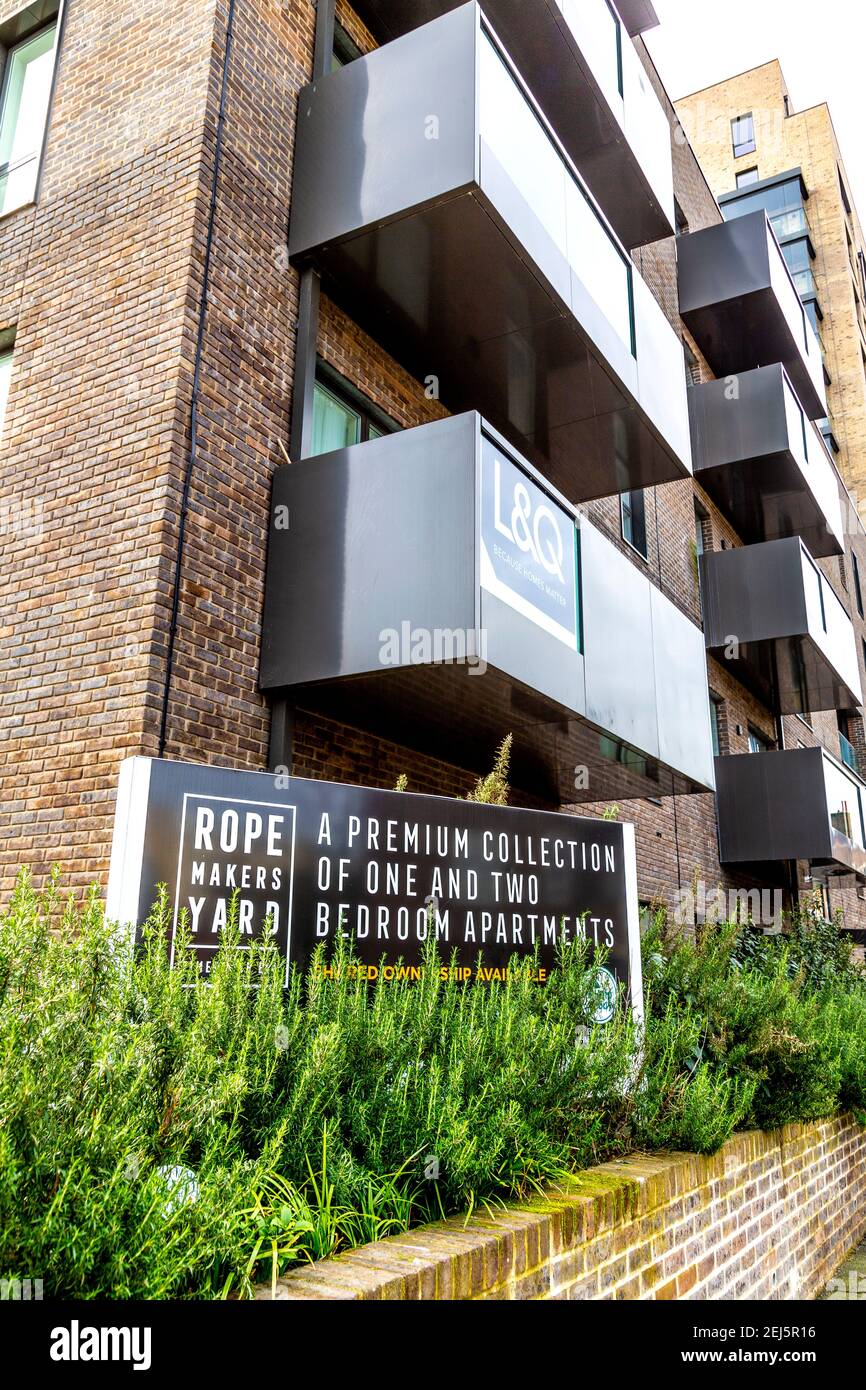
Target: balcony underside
{"type": "Point", "coordinates": [751, 331]}
{"type": "Point", "coordinates": [790, 675]}
{"type": "Point", "coordinates": [451, 296]}
{"type": "Point", "coordinates": [767, 499]}
{"type": "Point", "coordinates": [449, 713]}
{"type": "Point", "coordinates": [547, 54]}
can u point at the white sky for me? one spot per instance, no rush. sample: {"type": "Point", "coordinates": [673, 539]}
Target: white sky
{"type": "Point", "coordinates": [821, 45]}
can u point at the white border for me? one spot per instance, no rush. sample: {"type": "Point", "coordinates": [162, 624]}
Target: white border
{"type": "Point", "coordinates": [629, 856]}
{"type": "Point", "coordinates": [127, 842]}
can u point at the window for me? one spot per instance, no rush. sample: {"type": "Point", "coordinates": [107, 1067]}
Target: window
{"type": "Point", "coordinates": [747, 176]}
{"type": "Point", "coordinates": [633, 508]}
{"type": "Point", "coordinates": [693, 370]}
{"type": "Point", "coordinates": [758, 743]}
{"type": "Point", "coordinates": [847, 751]}
{"type": "Point", "coordinates": [342, 415]}
{"type": "Point", "coordinates": [858, 592]}
{"type": "Point", "coordinates": [844, 192]}
{"type": "Point", "coordinates": [5, 375]}
{"type": "Point", "coordinates": [24, 96]}
{"type": "Point", "coordinates": [743, 135]}
{"type": "Point", "coordinates": [716, 723]}
{"type": "Point", "coordinates": [702, 530]}
{"type": "Point", "coordinates": [345, 49]}
{"type": "Point", "coordinates": [798, 255]}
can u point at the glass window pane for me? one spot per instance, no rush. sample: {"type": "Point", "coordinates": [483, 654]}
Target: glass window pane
{"type": "Point", "coordinates": [714, 726]}
{"type": "Point", "coordinates": [26, 92]}
{"type": "Point", "coordinates": [843, 803]}
{"type": "Point", "coordinates": [5, 374]}
{"type": "Point", "coordinates": [796, 255]}
{"type": "Point", "coordinates": [335, 425]}
{"type": "Point", "coordinates": [743, 135]}
{"type": "Point", "coordinates": [634, 520]}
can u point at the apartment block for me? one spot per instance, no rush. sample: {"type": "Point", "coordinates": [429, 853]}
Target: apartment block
{"type": "Point", "coordinates": [759, 151]}
{"type": "Point", "coordinates": [385, 380]}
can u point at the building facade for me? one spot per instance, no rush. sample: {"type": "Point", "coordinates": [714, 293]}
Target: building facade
{"type": "Point", "coordinates": [554, 471]}
{"type": "Point", "coordinates": [759, 151]}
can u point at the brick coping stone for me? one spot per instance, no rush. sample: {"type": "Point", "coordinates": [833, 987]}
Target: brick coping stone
{"type": "Point", "coordinates": [770, 1215]}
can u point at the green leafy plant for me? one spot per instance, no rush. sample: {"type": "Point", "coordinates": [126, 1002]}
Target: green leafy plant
{"type": "Point", "coordinates": [164, 1139]}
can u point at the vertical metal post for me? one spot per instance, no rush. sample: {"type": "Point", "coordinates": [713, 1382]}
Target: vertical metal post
{"type": "Point", "coordinates": [281, 744]}
{"type": "Point", "coordinates": [304, 379]}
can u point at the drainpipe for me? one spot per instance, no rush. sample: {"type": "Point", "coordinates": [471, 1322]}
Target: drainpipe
{"type": "Point", "coordinates": [192, 454]}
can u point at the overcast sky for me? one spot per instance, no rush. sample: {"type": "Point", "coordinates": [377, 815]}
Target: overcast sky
{"type": "Point", "coordinates": [821, 45]}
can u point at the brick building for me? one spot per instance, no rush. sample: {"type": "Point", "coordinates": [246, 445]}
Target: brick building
{"type": "Point", "coordinates": [324, 227]}
{"type": "Point", "coordinates": [790, 163]}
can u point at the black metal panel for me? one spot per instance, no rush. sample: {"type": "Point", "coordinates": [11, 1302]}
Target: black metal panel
{"type": "Point", "coordinates": [637, 15]}
{"type": "Point", "coordinates": [742, 455]}
{"type": "Point", "coordinates": [417, 253]}
{"type": "Point", "coordinates": [354, 557]}
{"type": "Point", "coordinates": [548, 56]}
{"type": "Point", "coordinates": [383, 537]}
{"type": "Point", "coordinates": [729, 303]}
{"type": "Point", "coordinates": [773, 806]}
{"type": "Point", "coordinates": [757, 623]}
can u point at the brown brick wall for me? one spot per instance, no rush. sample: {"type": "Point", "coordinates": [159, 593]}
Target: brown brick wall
{"type": "Point", "coordinates": [103, 280]}
{"type": "Point", "coordinates": [769, 1217]}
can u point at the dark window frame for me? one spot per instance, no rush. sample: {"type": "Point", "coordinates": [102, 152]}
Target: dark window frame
{"type": "Point", "coordinates": [741, 181]}
{"type": "Point", "coordinates": [627, 507]}
{"type": "Point", "coordinates": [759, 737]}
{"type": "Point", "coordinates": [717, 709]}
{"type": "Point", "coordinates": [747, 146]}
{"type": "Point", "coordinates": [858, 592]}
{"type": "Point", "coordinates": [19, 29]}
{"type": "Point", "coordinates": [345, 49]}
{"type": "Point", "coordinates": [350, 396]}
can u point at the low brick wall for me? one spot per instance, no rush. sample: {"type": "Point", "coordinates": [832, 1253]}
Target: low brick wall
{"type": "Point", "coordinates": [770, 1216]}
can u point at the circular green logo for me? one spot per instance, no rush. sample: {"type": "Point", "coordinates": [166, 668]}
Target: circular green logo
{"type": "Point", "coordinates": [608, 994]}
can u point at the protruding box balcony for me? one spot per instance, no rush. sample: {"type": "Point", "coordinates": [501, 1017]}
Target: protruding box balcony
{"type": "Point", "coordinates": [738, 299]}
{"type": "Point", "coordinates": [429, 586]}
{"type": "Point", "coordinates": [772, 617]}
{"type": "Point", "coordinates": [796, 803]}
{"type": "Point", "coordinates": [441, 211]}
{"type": "Point", "coordinates": [764, 462]}
{"type": "Point", "coordinates": [578, 62]}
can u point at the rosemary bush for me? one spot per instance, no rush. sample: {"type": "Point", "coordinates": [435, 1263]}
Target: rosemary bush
{"type": "Point", "coordinates": [164, 1139]}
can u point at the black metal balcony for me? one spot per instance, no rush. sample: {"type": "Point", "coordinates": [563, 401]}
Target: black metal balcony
{"type": "Point", "coordinates": [430, 587]}
{"type": "Point", "coordinates": [442, 213]}
{"type": "Point", "coordinates": [795, 803]}
{"type": "Point", "coordinates": [763, 462]}
{"type": "Point", "coordinates": [772, 618]}
{"type": "Point", "coordinates": [739, 300]}
{"type": "Point", "coordinates": [588, 80]}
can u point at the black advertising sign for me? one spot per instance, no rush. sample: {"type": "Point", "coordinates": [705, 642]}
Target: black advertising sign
{"type": "Point", "coordinates": [320, 858]}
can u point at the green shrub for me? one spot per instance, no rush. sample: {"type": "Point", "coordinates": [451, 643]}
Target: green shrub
{"type": "Point", "coordinates": [162, 1139]}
